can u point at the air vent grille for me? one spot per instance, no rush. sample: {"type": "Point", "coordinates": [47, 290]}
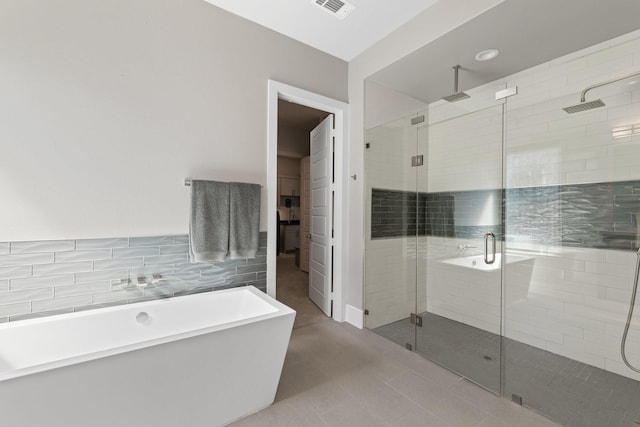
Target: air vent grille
{"type": "Point", "coordinates": [334, 5]}
{"type": "Point", "coordinates": [337, 8]}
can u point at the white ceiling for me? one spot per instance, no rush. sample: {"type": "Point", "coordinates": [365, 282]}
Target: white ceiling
{"type": "Point", "coordinates": [370, 22]}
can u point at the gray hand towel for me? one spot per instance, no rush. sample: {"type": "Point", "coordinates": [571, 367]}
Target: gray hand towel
{"type": "Point", "coordinates": [244, 214]}
{"type": "Point", "coordinates": [209, 223]}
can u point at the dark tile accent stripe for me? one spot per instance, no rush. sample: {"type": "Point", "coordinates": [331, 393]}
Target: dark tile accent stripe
{"type": "Point", "coordinates": [445, 214]}
{"type": "Point", "coordinates": [393, 213]}
{"type": "Point", "coordinates": [600, 215]}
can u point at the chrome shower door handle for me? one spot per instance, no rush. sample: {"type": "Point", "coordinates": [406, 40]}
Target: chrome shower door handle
{"type": "Point", "coordinates": [486, 248]}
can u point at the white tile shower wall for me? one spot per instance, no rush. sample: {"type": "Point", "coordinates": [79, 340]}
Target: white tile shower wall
{"type": "Point", "coordinates": [40, 278]}
{"type": "Point", "coordinates": [547, 146]}
{"type": "Point", "coordinates": [388, 158]}
{"type": "Point", "coordinates": [576, 305]}
{"type": "Point", "coordinates": [391, 280]}
{"type": "Point", "coordinates": [465, 153]}
{"type": "Point", "coordinates": [578, 298]}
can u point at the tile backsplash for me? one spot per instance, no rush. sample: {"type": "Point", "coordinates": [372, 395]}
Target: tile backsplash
{"type": "Point", "coordinates": [40, 278]}
{"type": "Point", "coordinates": [599, 215]}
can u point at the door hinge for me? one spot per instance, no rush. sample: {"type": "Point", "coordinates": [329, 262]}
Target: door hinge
{"type": "Point", "coordinates": [408, 346]}
{"type": "Point", "coordinates": [417, 120]}
{"type": "Point", "coordinates": [417, 160]}
{"type": "Point", "coordinates": [416, 319]}
{"type": "Point", "coordinates": [366, 312]}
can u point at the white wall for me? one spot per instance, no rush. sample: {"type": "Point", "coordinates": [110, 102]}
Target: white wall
{"type": "Point", "coordinates": [424, 28]}
{"type": "Point", "coordinates": [107, 106]}
{"type": "Point", "coordinates": [382, 105]}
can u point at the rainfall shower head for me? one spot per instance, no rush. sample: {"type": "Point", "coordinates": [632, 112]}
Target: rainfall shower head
{"type": "Point", "coordinates": [457, 95]}
{"type": "Point", "coordinates": [584, 106]}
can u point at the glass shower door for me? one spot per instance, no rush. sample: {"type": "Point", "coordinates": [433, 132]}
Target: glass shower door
{"type": "Point", "coordinates": [460, 265]}
{"type": "Point", "coordinates": [391, 230]}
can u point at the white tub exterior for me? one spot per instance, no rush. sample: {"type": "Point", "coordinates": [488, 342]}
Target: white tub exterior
{"type": "Point", "coordinates": [198, 360]}
{"type": "Point", "coordinates": [468, 290]}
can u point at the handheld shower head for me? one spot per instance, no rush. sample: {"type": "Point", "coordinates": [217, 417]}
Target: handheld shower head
{"type": "Point", "coordinates": [457, 95]}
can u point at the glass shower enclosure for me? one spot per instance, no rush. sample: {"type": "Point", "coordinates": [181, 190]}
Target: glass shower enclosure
{"type": "Point", "coordinates": [500, 239]}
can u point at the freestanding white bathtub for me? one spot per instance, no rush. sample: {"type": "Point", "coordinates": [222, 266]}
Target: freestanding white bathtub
{"type": "Point", "coordinates": [198, 360]}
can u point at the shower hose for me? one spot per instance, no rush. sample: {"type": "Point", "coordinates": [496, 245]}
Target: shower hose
{"type": "Point", "coordinates": [630, 316]}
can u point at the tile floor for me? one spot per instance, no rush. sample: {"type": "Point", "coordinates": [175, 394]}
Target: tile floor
{"type": "Point", "coordinates": [338, 375]}
{"type": "Point", "coordinates": [570, 392]}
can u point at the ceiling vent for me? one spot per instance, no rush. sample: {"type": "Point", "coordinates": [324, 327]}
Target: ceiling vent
{"type": "Point", "coordinates": [337, 8]}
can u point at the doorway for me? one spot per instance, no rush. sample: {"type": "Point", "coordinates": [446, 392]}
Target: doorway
{"type": "Point", "coordinates": [281, 99]}
{"type": "Point", "coordinates": [295, 124]}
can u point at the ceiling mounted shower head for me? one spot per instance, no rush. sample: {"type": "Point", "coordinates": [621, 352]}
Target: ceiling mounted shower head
{"type": "Point", "coordinates": [457, 95]}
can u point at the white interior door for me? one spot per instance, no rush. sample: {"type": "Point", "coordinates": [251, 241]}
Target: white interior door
{"type": "Point", "coordinates": [305, 212]}
{"type": "Point", "coordinates": [321, 247]}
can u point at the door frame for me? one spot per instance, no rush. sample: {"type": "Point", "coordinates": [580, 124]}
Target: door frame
{"type": "Point", "coordinates": [340, 110]}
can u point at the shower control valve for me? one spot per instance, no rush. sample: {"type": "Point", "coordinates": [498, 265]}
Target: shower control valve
{"type": "Point", "coordinates": [466, 247]}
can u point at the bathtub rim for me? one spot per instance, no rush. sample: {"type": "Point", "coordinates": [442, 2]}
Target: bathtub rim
{"type": "Point", "coordinates": [461, 262]}
{"type": "Point", "coordinates": [281, 311]}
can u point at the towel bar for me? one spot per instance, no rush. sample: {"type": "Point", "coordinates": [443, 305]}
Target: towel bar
{"type": "Point", "coordinates": [187, 183]}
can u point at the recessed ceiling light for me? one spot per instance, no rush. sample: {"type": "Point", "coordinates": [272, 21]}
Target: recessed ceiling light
{"type": "Point", "coordinates": [486, 55]}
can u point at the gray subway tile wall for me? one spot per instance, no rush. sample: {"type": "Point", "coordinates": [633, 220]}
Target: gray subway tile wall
{"type": "Point", "coordinates": [40, 282]}
{"type": "Point", "coordinates": [443, 214]}
{"type": "Point", "coordinates": [23, 259]}
{"type": "Point", "coordinates": [393, 213]}
{"type": "Point", "coordinates": [135, 252]}
{"type": "Point", "coordinates": [596, 215]}
{"type": "Point", "coordinates": [22, 271]}
{"type": "Point", "coordinates": [42, 246]}
{"type": "Point", "coordinates": [151, 241]}
{"type": "Point", "coordinates": [62, 268]}
{"type": "Point", "coordinates": [51, 277]}
{"type": "Point", "coordinates": [82, 255]}
{"type": "Point", "coordinates": [105, 243]}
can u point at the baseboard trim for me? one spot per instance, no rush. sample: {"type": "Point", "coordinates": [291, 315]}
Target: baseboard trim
{"type": "Point", "coordinates": [355, 316]}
